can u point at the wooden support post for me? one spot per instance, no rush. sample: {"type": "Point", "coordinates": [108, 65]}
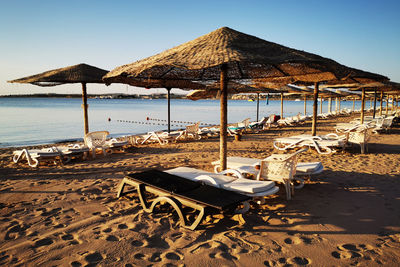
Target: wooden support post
{"type": "Point", "coordinates": [281, 105]}
{"type": "Point", "coordinates": [85, 109]}
{"type": "Point", "coordinates": [387, 105]}
{"type": "Point", "coordinates": [381, 104]}
{"type": "Point", "coordinates": [320, 102]}
{"type": "Point", "coordinates": [258, 104]}
{"type": "Point", "coordinates": [362, 105]}
{"type": "Point", "coordinates": [340, 99]}
{"type": "Point", "coordinates": [330, 105]}
{"type": "Point", "coordinates": [169, 108]}
{"type": "Point", "coordinates": [354, 103]}
{"type": "Point", "coordinates": [224, 115]}
{"type": "Point", "coordinates": [315, 110]}
{"type": "Point", "coordinates": [373, 115]}
{"type": "Point", "coordinates": [305, 105]}
{"type": "Point", "coordinates": [336, 104]}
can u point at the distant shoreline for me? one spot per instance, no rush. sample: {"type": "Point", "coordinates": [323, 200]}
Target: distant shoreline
{"type": "Point", "coordinates": [138, 96]}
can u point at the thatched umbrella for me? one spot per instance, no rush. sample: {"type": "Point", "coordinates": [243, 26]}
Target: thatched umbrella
{"type": "Point", "coordinates": [385, 87]}
{"type": "Point", "coordinates": [81, 73]}
{"type": "Point", "coordinates": [226, 54]}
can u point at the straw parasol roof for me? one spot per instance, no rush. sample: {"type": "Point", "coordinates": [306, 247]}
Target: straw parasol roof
{"type": "Point", "coordinates": [81, 73]}
{"type": "Point", "coordinates": [246, 56]}
{"type": "Point", "coordinates": [226, 54]}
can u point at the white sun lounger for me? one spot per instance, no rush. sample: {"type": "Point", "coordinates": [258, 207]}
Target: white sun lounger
{"type": "Point", "coordinates": [162, 138]}
{"type": "Point", "coordinates": [253, 188]}
{"type": "Point", "coordinates": [73, 150]}
{"type": "Point", "coordinates": [323, 144]}
{"type": "Point", "coordinates": [35, 156]}
{"type": "Point", "coordinates": [115, 144]}
{"type": "Point", "coordinates": [250, 166]}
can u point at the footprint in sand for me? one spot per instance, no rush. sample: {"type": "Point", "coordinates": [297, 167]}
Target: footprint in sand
{"type": "Point", "coordinates": [300, 261]}
{"type": "Point", "coordinates": [93, 258]}
{"type": "Point", "coordinates": [43, 242]}
{"type": "Point", "coordinates": [297, 239]}
{"type": "Point", "coordinates": [14, 230]}
{"type": "Point", "coordinates": [353, 251]}
{"type": "Point", "coordinates": [72, 239]}
{"type": "Point", "coordinates": [155, 257]}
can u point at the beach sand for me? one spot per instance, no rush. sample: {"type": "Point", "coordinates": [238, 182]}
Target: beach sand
{"type": "Point", "coordinates": [349, 215]}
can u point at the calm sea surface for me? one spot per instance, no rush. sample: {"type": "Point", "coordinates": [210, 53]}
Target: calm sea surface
{"type": "Point", "coordinates": [32, 121]}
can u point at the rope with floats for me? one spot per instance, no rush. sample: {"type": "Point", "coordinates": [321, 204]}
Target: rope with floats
{"type": "Point", "coordinates": [161, 122]}
{"type": "Point", "coordinates": [181, 122]}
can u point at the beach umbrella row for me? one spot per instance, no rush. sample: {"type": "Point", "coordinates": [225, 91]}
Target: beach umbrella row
{"type": "Point", "coordinates": [213, 61]}
{"type": "Point", "coordinates": [228, 55]}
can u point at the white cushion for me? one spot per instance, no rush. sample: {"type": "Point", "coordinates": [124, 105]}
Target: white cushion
{"type": "Point", "coordinates": [249, 186]}
{"type": "Point", "coordinates": [307, 166]}
{"type": "Point", "coordinates": [187, 172]}
{"type": "Point", "coordinates": [215, 179]}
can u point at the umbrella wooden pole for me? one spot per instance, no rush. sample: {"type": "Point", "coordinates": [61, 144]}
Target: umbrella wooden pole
{"type": "Point", "coordinates": [373, 115]}
{"type": "Point", "coordinates": [85, 109]}
{"type": "Point", "coordinates": [320, 104]}
{"type": "Point", "coordinates": [381, 104]}
{"type": "Point", "coordinates": [339, 104]}
{"type": "Point", "coordinates": [336, 105]}
{"type": "Point", "coordinates": [305, 105]}
{"type": "Point", "coordinates": [281, 105]}
{"type": "Point", "coordinates": [224, 119]}
{"type": "Point", "coordinates": [354, 103]}
{"type": "Point", "coordinates": [362, 105]}
{"type": "Point", "coordinates": [258, 104]}
{"type": "Point", "coordinates": [387, 105]}
{"type": "Point", "coordinates": [315, 110]}
{"type": "Point", "coordinates": [169, 108]}
{"type": "Point", "coordinates": [330, 105]}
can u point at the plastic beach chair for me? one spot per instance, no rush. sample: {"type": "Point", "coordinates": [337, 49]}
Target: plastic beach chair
{"type": "Point", "coordinates": [96, 141]}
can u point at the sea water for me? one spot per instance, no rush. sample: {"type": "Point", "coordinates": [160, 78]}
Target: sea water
{"type": "Point", "coordinates": [32, 121]}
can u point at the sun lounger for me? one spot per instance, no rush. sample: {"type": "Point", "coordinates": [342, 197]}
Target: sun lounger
{"type": "Point", "coordinates": [73, 151]}
{"type": "Point", "coordinates": [252, 188]}
{"type": "Point", "coordinates": [278, 165]}
{"type": "Point", "coordinates": [162, 138]}
{"type": "Point", "coordinates": [191, 131]}
{"type": "Point", "coordinates": [115, 144]}
{"type": "Point", "coordinates": [178, 192]}
{"type": "Point", "coordinates": [35, 156]}
{"type": "Point", "coordinates": [250, 166]}
{"type": "Point", "coordinates": [258, 125]}
{"type": "Point", "coordinates": [384, 124]}
{"type": "Point", "coordinates": [355, 134]}
{"type": "Point", "coordinates": [323, 144]}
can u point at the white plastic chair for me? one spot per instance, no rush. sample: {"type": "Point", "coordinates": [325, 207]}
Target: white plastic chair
{"type": "Point", "coordinates": [280, 168]}
{"type": "Point", "coordinates": [97, 141]}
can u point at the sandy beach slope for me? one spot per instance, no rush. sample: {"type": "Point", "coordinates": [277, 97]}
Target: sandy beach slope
{"type": "Point", "coordinates": [349, 215]}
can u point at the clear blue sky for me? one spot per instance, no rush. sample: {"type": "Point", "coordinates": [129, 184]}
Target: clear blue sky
{"type": "Point", "coordinates": [41, 35]}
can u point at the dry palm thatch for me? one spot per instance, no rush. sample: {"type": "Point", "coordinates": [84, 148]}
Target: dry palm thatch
{"type": "Point", "coordinates": [246, 56]}
{"type": "Point", "coordinates": [81, 73]}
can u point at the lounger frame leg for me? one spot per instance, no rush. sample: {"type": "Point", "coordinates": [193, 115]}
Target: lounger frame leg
{"type": "Point", "coordinates": [176, 203]}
